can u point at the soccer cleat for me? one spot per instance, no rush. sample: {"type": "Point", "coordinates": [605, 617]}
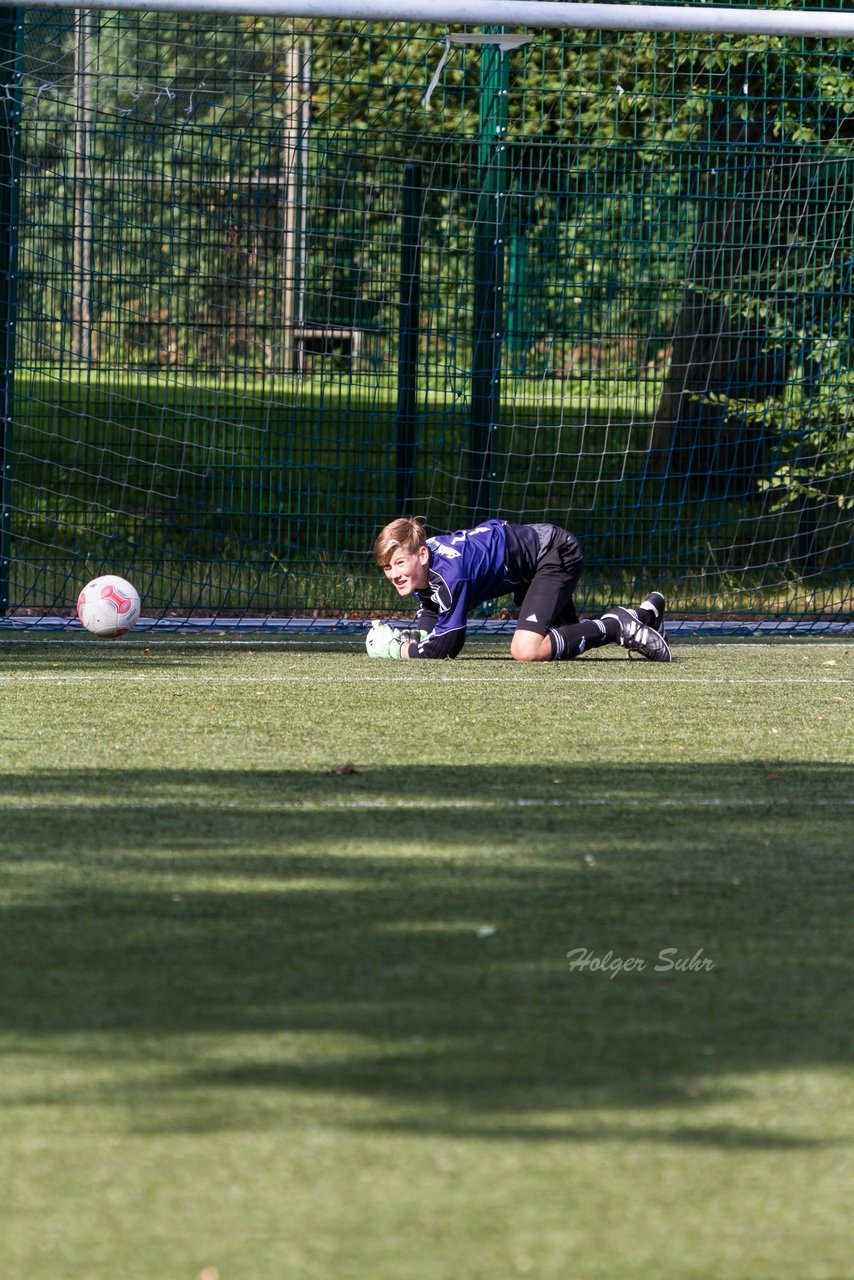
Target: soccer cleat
{"type": "Point", "coordinates": [639, 637]}
{"type": "Point", "coordinates": [653, 603]}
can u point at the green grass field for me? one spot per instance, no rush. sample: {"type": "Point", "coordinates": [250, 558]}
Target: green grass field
{"type": "Point", "coordinates": [286, 989]}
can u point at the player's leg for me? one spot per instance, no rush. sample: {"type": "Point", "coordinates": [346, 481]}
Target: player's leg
{"type": "Point", "coordinates": [576, 638]}
{"type": "Point", "coordinates": [573, 636]}
{"type": "Point", "coordinates": [548, 628]}
{"type": "Point", "coordinates": [638, 630]}
{"type": "Point", "coordinates": [651, 611]}
{"type": "Point", "coordinates": [529, 646]}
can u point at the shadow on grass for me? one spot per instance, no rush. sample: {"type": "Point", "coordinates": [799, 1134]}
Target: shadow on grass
{"type": "Point", "coordinates": [715, 1135]}
{"type": "Point", "coordinates": [418, 954]}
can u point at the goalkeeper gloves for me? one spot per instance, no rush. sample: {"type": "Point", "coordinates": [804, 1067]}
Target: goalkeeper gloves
{"type": "Point", "coordinates": [383, 641]}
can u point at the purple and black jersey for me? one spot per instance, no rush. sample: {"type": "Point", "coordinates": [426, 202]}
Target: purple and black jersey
{"type": "Point", "coordinates": [466, 568]}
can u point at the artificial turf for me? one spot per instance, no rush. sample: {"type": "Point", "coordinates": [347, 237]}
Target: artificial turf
{"type": "Point", "coordinates": [285, 978]}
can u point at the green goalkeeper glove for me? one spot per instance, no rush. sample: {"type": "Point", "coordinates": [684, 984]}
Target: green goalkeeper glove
{"type": "Point", "coordinates": [383, 641]}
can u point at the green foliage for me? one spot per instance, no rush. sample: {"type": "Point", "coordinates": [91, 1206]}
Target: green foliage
{"type": "Point", "coordinates": [610, 136]}
{"type": "Point", "coordinates": [816, 429]}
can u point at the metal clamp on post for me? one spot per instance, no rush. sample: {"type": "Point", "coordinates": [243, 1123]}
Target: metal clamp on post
{"type": "Point", "coordinates": [503, 41]}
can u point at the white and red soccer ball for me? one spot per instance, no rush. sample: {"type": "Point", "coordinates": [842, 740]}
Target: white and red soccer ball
{"type": "Point", "coordinates": [108, 606]}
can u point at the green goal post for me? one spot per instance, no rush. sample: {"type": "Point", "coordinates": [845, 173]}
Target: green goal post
{"type": "Point", "coordinates": [273, 273]}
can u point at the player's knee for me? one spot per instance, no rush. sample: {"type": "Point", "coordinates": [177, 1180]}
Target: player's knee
{"type": "Point", "coordinates": [527, 646]}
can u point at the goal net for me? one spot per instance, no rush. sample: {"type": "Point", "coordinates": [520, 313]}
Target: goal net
{"type": "Point", "coordinates": [269, 282]}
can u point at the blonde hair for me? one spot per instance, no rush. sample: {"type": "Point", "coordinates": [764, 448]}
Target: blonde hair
{"type": "Point", "coordinates": [406, 533]}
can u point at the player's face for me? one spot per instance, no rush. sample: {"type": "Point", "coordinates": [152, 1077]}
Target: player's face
{"type": "Point", "coordinates": [408, 571]}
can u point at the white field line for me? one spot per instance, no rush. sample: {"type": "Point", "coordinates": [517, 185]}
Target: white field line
{"type": "Point", "coordinates": [509, 680]}
{"type": "Point", "coordinates": [379, 805]}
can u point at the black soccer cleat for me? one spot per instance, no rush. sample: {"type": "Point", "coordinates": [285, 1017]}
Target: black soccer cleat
{"type": "Point", "coordinates": [652, 604]}
{"type": "Point", "coordinates": [639, 637]}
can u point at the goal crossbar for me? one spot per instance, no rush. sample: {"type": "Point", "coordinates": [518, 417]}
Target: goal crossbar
{"type": "Point", "coordinates": [551, 14]}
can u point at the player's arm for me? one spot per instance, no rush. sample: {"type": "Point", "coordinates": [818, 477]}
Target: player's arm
{"type": "Point", "coordinates": [438, 644]}
{"type": "Point", "coordinates": [385, 641]}
{"type": "Point", "coordinates": [426, 618]}
{"type": "Point", "coordinates": [448, 634]}
{"type": "Point", "coordinates": [445, 639]}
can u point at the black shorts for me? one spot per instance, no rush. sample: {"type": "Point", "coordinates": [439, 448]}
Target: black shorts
{"type": "Point", "coordinates": [547, 601]}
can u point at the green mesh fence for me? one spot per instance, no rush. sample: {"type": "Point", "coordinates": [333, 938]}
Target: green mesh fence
{"type": "Point", "coordinates": [262, 297]}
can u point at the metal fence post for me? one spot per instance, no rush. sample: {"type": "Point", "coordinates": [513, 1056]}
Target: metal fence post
{"type": "Point", "coordinates": [488, 330]}
{"type": "Point", "coordinates": [11, 46]}
{"type": "Point", "coordinates": [409, 324]}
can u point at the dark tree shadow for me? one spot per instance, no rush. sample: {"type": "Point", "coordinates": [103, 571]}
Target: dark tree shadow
{"type": "Point", "coordinates": [222, 902]}
{"type": "Point", "coordinates": [754, 194]}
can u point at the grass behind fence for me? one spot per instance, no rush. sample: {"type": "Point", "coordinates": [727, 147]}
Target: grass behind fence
{"type": "Point", "coordinates": [253, 494]}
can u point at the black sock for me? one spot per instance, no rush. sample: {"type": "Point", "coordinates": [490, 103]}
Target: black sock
{"type": "Point", "coordinates": [575, 638]}
{"type": "Point", "coordinates": [647, 616]}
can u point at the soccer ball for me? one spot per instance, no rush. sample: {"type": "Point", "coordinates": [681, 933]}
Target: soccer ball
{"type": "Point", "coordinates": [108, 606]}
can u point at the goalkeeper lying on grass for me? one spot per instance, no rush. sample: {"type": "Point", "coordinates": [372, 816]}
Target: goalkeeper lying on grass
{"type": "Point", "coordinates": [539, 563]}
